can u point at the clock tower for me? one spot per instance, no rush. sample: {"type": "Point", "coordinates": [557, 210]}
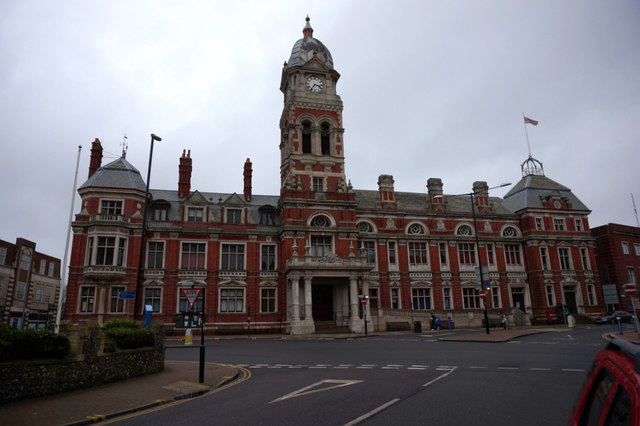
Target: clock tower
{"type": "Point", "coordinates": [317, 205]}
{"type": "Point", "coordinates": [311, 149]}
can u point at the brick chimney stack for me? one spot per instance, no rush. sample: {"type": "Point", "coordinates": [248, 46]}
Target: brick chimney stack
{"type": "Point", "coordinates": [247, 180]}
{"type": "Point", "coordinates": [184, 175]}
{"type": "Point", "coordinates": [96, 157]}
{"type": "Point", "coordinates": [434, 191]}
{"type": "Point", "coordinates": [386, 190]}
{"type": "Point", "coordinates": [481, 193]}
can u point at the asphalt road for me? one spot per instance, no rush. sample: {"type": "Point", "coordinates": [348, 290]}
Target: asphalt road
{"type": "Point", "coordinates": [391, 379]}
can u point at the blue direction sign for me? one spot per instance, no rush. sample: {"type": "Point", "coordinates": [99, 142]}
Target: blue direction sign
{"type": "Point", "coordinates": [127, 295]}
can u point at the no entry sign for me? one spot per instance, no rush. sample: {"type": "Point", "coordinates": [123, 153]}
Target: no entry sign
{"type": "Point", "coordinates": [630, 289]}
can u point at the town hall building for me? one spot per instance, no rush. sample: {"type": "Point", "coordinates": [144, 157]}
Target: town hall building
{"type": "Point", "coordinates": [322, 255]}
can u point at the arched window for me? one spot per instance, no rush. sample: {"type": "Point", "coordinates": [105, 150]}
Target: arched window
{"type": "Point", "coordinates": [325, 139]}
{"type": "Point", "coordinates": [320, 222]}
{"type": "Point", "coordinates": [306, 137]}
{"type": "Point", "coordinates": [365, 227]}
{"type": "Point", "coordinates": [465, 230]}
{"type": "Point", "coordinates": [415, 229]}
{"type": "Point", "coordinates": [509, 231]}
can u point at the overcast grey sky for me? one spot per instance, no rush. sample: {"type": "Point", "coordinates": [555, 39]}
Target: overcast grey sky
{"type": "Point", "coordinates": [430, 89]}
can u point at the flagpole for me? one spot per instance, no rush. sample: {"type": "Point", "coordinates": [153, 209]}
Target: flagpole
{"type": "Point", "coordinates": [524, 122]}
{"type": "Point", "coordinates": [64, 273]}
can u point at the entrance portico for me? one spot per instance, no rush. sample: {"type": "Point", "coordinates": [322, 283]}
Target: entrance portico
{"type": "Point", "coordinates": [324, 289]}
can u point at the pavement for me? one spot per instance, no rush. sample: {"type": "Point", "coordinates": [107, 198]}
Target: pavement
{"type": "Point", "coordinates": [179, 381]}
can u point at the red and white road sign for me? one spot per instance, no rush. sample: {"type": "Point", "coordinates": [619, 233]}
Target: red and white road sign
{"type": "Point", "coordinates": [483, 294]}
{"type": "Point", "coordinates": [191, 294]}
{"type": "Point", "coordinates": [630, 289]}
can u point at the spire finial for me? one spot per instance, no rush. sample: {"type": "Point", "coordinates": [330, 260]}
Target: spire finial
{"type": "Point", "coordinates": [125, 146]}
{"type": "Point", "coordinates": [307, 31]}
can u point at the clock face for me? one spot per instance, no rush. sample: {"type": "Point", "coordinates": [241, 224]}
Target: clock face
{"type": "Point", "coordinates": [315, 84]}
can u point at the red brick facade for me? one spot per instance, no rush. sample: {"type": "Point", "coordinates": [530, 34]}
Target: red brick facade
{"type": "Point", "coordinates": [299, 262]}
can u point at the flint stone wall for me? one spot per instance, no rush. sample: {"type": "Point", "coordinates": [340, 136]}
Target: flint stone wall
{"type": "Point", "coordinates": [86, 367]}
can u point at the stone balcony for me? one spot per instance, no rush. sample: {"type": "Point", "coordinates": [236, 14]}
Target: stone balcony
{"type": "Point", "coordinates": [330, 262]}
{"type": "Point", "coordinates": [104, 272]}
{"type": "Point", "coordinates": [110, 218]}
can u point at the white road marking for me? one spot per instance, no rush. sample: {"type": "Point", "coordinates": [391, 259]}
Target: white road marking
{"type": "Point", "coordinates": [306, 390]}
{"type": "Point", "coordinates": [508, 368]}
{"type": "Point", "coordinates": [442, 376]}
{"type": "Point", "coordinates": [478, 367]}
{"type": "Point", "coordinates": [372, 412]}
{"type": "Point", "coordinates": [573, 370]}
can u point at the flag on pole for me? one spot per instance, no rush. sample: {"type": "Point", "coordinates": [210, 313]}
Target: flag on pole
{"type": "Point", "coordinates": [530, 121]}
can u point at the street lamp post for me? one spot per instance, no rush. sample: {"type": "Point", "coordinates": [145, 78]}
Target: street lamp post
{"type": "Point", "coordinates": [143, 238]}
{"type": "Point", "coordinates": [475, 230]}
{"type": "Point", "coordinates": [482, 286]}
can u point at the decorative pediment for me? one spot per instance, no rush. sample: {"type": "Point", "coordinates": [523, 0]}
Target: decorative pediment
{"type": "Point", "coordinates": [234, 200]}
{"type": "Point", "coordinates": [196, 199]}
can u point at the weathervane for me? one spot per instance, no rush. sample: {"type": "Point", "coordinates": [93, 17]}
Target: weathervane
{"type": "Point", "coordinates": [125, 146]}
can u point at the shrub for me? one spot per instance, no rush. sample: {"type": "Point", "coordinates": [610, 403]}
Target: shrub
{"type": "Point", "coordinates": [31, 344]}
{"type": "Point", "coordinates": [119, 323]}
{"type": "Point", "coordinates": [125, 334]}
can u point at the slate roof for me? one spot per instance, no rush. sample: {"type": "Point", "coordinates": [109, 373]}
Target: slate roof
{"type": "Point", "coordinates": [419, 202]}
{"type": "Point", "coordinates": [529, 192]}
{"type": "Point", "coordinates": [117, 174]}
{"type": "Point", "coordinates": [215, 198]}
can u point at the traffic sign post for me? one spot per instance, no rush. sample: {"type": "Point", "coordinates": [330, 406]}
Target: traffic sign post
{"type": "Point", "coordinates": [483, 295]}
{"type": "Point", "coordinates": [364, 299]}
{"type": "Point", "coordinates": [192, 294]}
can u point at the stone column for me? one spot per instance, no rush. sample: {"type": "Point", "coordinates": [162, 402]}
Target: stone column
{"type": "Point", "coordinates": [355, 325]}
{"type": "Point", "coordinates": [307, 299]}
{"type": "Point", "coordinates": [295, 298]}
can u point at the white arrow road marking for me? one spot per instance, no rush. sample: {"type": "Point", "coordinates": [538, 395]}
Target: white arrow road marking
{"type": "Point", "coordinates": [306, 391]}
{"type": "Point", "coordinates": [442, 376]}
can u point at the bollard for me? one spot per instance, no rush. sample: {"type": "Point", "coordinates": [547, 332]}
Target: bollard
{"type": "Point", "coordinates": [188, 337]}
{"type": "Point", "coordinates": [619, 326]}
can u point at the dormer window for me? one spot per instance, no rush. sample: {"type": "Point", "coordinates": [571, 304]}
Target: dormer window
{"type": "Point", "coordinates": [160, 209]}
{"type": "Point", "coordinates": [267, 215]}
{"type": "Point", "coordinates": [195, 214]}
{"type": "Point", "coordinates": [234, 216]}
{"type": "Point", "coordinates": [160, 214]}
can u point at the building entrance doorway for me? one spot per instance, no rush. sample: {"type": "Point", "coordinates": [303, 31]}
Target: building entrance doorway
{"type": "Point", "coordinates": [322, 302]}
{"type": "Point", "coordinates": [570, 299]}
{"type": "Point", "coordinates": [517, 295]}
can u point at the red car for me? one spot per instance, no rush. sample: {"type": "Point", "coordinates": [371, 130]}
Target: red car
{"type": "Point", "coordinates": [611, 394]}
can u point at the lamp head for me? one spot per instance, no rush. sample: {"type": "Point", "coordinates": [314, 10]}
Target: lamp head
{"type": "Point", "coordinates": [155, 138]}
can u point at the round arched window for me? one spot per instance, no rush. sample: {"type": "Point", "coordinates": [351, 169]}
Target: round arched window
{"type": "Point", "coordinates": [320, 222]}
{"type": "Point", "coordinates": [465, 230]}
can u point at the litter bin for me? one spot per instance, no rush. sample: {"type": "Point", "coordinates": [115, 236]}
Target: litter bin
{"type": "Point", "coordinates": [417, 326]}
